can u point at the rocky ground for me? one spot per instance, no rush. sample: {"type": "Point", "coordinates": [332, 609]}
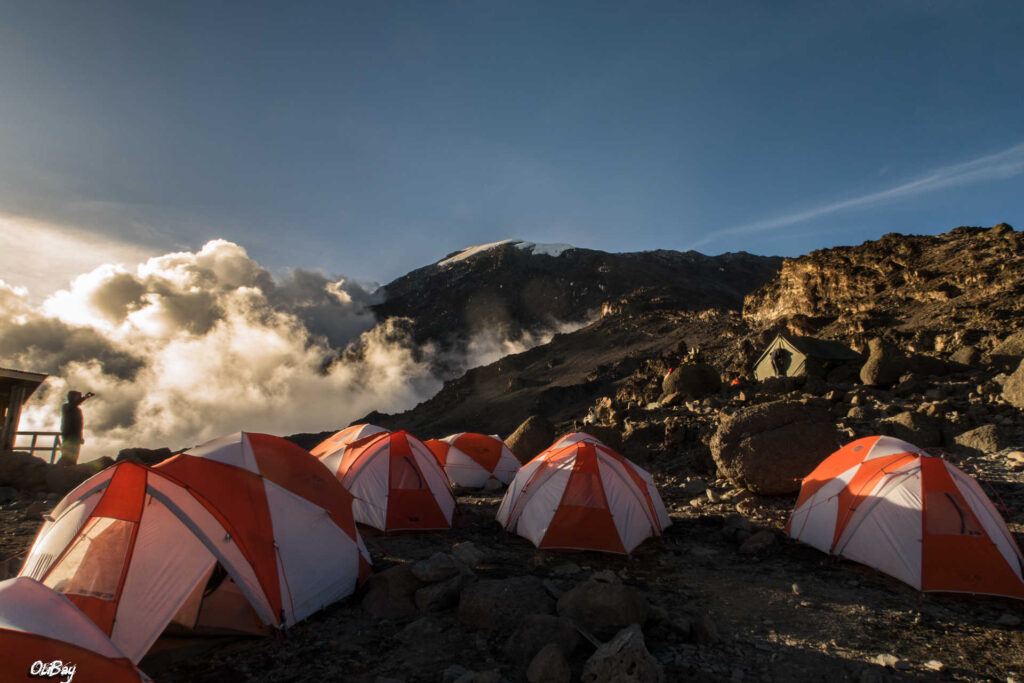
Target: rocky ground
{"type": "Point", "coordinates": [723, 596]}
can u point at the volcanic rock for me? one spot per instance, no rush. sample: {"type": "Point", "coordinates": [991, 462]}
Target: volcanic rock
{"type": "Point", "coordinates": [624, 659]}
{"type": "Point", "coordinates": [913, 427]}
{"type": "Point", "coordinates": [390, 593]}
{"type": "Point", "coordinates": [549, 666]}
{"type": "Point", "coordinates": [497, 603]}
{"type": "Point", "coordinates": [692, 380]}
{"type": "Point", "coordinates": [768, 448]}
{"type": "Point", "coordinates": [1013, 387]}
{"type": "Point", "coordinates": [884, 366]}
{"type": "Point", "coordinates": [530, 438]}
{"type": "Point", "coordinates": [538, 630]}
{"type": "Point", "coordinates": [986, 438]}
{"type": "Point", "coordinates": [603, 608]}
{"type": "Point", "coordinates": [1012, 346]}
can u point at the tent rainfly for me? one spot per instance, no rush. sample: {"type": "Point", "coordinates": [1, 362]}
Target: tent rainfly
{"type": "Point", "coordinates": [581, 495]}
{"type": "Point", "coordinates": [43, 636]}
{"type": "Point", "coordinates": [471, 459]}
{"type": "Point", "coordinates": [792, 356]}
{"type": "Point", "coordinates": [887, 504]}
{"type": "Point", "coordinates": [243, 530]}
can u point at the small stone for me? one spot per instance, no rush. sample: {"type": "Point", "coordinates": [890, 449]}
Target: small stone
{"type": "Point", "coordinates": [568, 569]}
{"type": "Point", "coordinates": [713, 496]}
{"type": "Point", "coordinates": [454, 673]}
{"type": "Point", "coordinates": [468, 554]}
{"type": "Point", "coordinates": [934, 665]}
{"type": "Point", "coordinates": [549, 666]}
{"type": "Point", "coordinates": [887, 660]}
{"type": "Point", "coordinates": [437, 567]}
{"type": "Point", "coordinates": [493, 484]}
{"type": "Point", "coordinates": [759, 542]}
{"type": "Point", "coordinates": [606, 576]}
{"type": "Point", "coordinates": [796, 589]}
{"type": "Point", "coordinates": [1008, 619]}
{"type": "Point", "coordinates": [697, 502]}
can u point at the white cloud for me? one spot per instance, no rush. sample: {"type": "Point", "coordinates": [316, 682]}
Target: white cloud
{"type": "Point", "coordinates": [998, 166]}
{"type": "Point", "coordinates": [189, 346]}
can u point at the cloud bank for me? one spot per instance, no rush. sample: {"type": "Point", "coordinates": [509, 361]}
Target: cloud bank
{"type": "Point", "coordinates": [191, 346]}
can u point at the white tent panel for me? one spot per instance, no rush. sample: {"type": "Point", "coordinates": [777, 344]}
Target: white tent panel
{"type": "Point", "coordinates": [886, 531]}
{"type": "Point", "coordinates": [167, 562]}
{"type": "Point", "coordinates": [313, 575]}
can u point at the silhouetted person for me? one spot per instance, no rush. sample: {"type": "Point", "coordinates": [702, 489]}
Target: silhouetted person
{"type": "Point", "coordinates": [71, 427]}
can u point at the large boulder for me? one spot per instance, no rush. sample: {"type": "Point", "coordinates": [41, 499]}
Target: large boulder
{"type": "Point", "coordinates": [498, 603]}
{"type": "Point", "coordinates": [986, 438]}
{"type": "Point", "coordinates": [1013, 387]}
{"type": "Point", "coordinates": [768, 448]}
{"type": "Point", "coordinates": [603, 609]}
{"type": "Point", "coordinates": [913, 427]}
{"type": "Point", "coordinates": [624, 659]}
{"type": "Point", "coordinates": [549, 666]}
{"type": "Point", "coordinates": [692, 380]}
{"type": "Point", "coordinates": [884, 366]}
{"type": "Point", "coordinates": [530, 438]}
{"type": "Point", "coordinates": [538, 630]}
{"type": "Point", "coordinates": [609, 436]}
{"type": "Point", "coordinates": [391, 593]}
{"type": "Point", "coordinates": [1012, 346]}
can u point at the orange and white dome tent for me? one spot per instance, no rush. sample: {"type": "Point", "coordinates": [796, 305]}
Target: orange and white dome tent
{"type": "Point", "coordinates": [471, 460]}
{"type": "Point", "coordinates": [44, 636]}
{"type": "Point", "coordinates": [885, 503]}
{"type": "Point", "coordinates": [346, 436]}
{"type": "Point", "coordinates": [397, 483]}
{"type": "Point", "coordinates": [136, 547]}
{"type": "Point", "coordinates": [583, 496]}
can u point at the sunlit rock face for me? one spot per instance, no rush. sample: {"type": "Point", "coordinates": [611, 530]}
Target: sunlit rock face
{"type": "Point", "coordinates": [928, 286]}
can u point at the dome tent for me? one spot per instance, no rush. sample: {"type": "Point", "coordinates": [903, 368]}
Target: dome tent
{"type": "Point", "coordinates": [471, 460]}
{"type": "Point", "coordinates": [345, 437]}
{"type": "Point", "coordinates": [40, 629]}
{"type": "Point", "coordinates": [885, 503]}
{"type": "Point", "coordinates": [135, 547]}
{"type": "Point", "coordinates": [583, 496]}
{"type": "Point", "coordinates": [397, 483]}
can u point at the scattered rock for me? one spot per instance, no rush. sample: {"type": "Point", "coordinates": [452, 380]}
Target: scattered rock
{"type": "Point", "coordinates": [1013, 387]}
{"type": "Point", "coordinates": [705, 630]}
{"type": "Point", "coordinates": [499, 603]}
{"type": "Point", "coordinates": [530, 438]}
{"type": "Point", "coordinates": [34, 510]}
{"type": "Point", "coordinates": [390, 593]}
{"type": "Point", "coordinates": [692, 380]}
{"type": "Point", "coordinates": [624, 659]}
{"type": "Point", "coordinates": [437, 567]}
{"type": "Point", "coordinates": [986, 438]}
{"type": "Point", "coordinates": [1007, 619]}
{"type": "Point", "coordinates": [1012, 346]}
{"type": "Point", "coordinates": [602, 608]}
{"type": "Point", "coordinates": [538, 630]}
{"type": "Point", "coordinates": [549, 666]}
{"type": "Point", "coordinates": [913, 427]}
{"type": "Point", "coordinates": [468, 554]}
{"type": "Point", "coordinates": [759, 542]}
{"type": "Point", "coordinates": [438, 596]}
{"type": "Point", "coordinates": [769, 448]}
{"type": "Point", "coordinates": [968, 355]}
{"type": "Point", "coordinates": [887, 660]}
{"type": "Point", "coordinates": [884, 366]}
{"type": "Point", "coordinates": [609, 436]}
{"type": "Point", "coordinates": [605, 576]}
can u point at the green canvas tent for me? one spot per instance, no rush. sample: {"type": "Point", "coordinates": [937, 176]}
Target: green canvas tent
{"type": "Point", "coordinates": [791, 356]}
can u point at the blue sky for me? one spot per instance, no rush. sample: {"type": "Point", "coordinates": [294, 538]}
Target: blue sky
{"type": "Point", "coordinates": [370, 138]}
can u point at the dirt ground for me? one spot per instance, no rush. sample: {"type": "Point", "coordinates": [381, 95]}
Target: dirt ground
{"type": "Point", "coordinates": [788, 613]}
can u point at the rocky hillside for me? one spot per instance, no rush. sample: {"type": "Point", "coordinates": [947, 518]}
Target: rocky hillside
{"type": "Point", "coordinates": [966, 283]}
{"type": "Point", "coordinates": [517, 287]}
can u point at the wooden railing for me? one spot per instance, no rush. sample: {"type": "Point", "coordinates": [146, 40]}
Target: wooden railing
{"type": "Point", "coordinates": [53, 445]}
